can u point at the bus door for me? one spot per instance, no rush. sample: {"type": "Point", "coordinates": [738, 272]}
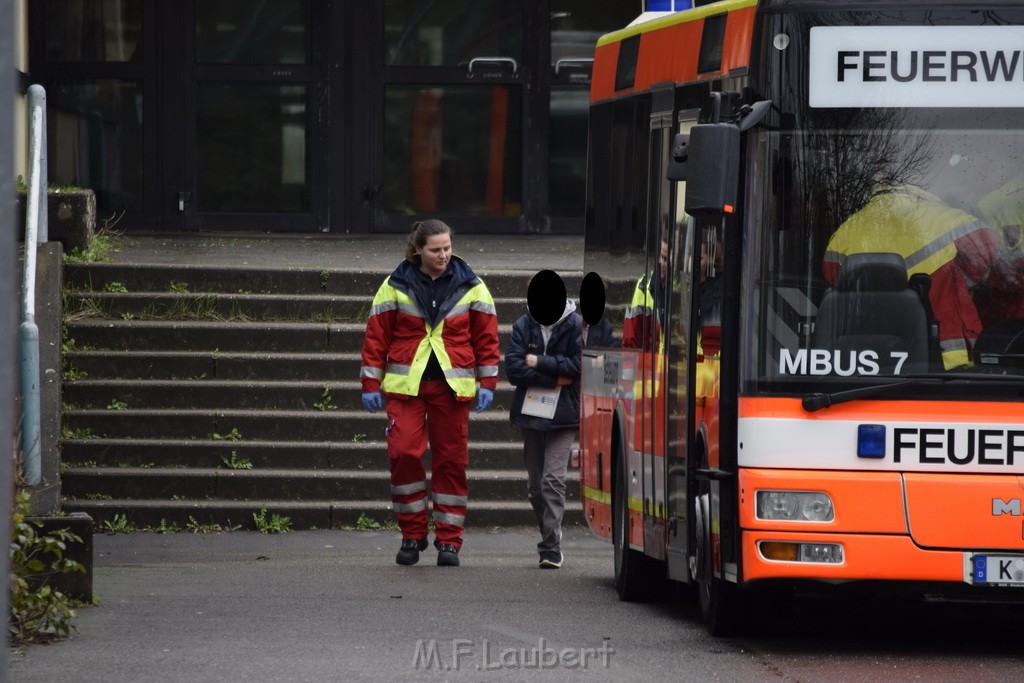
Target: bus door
{"type": "Point", "coordinates": [679, 409]}
{"type": "Point", "coordinates": [653, 370]}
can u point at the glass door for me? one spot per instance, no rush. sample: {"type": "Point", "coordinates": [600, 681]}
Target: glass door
{"type": "Point", "coordinates": [452, 115]}
{"type": "Point", "coordinates": [250, 134]}
{"type": "Point", "coordinates": [576, 26]}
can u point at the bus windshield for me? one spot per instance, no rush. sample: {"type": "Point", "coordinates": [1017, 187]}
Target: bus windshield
{"type": "Point", "coordinates": [883, 242]}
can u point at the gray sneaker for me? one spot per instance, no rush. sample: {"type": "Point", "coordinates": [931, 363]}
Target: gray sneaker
{"type": "Point", "coordinates": [550, 559]}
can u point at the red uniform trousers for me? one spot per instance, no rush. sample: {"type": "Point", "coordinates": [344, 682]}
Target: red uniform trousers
{"type": "Point", "coordinates": [437, 416]}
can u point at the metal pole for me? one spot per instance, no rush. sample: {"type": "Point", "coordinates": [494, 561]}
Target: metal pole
{"type": "Point", "coordinates": [31, 442]}
{"type": "Point", "coordinates": [37, 100]}
{"type": "Point", "coordinates": [8, 287]}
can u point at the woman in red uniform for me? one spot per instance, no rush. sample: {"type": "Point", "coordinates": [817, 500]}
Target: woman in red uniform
{"type": "Point", "coordinates": [431, 348]}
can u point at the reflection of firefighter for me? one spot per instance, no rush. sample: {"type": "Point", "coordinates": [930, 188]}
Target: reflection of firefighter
{"type": "Point", "coordinates": [1003, 208]}
{"type": "Point", "coordinates": [709, 316]}
{"type": "Point", "coordinates": [950, 245]}
{"type": "Point", "coordinates": [642, 328]}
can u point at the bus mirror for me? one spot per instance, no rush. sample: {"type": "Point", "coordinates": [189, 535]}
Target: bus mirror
{"type": "Point", "coordinates": [677, 164]}
{"type": "Point", "coordinates": [713, 160]}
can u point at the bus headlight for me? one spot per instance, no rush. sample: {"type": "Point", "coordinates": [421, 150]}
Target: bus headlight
{"type": "Point", "coordinates": [810, 506]}
{"type": "Point", "coordinates": [820, 553]}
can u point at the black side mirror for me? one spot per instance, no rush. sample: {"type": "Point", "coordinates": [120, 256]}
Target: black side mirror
{"type": "Point", "coordinates": [680, 152]}
{"type": "Point", "coordinates": [713, 160]}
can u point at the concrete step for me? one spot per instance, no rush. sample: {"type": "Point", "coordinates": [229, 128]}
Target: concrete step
{"type": "Point", "coordinates": [119, 394]}
{"type": "Point", "coordinates": [257, 425]}
{"type": "Point", "coordinates": [260, 484]}
{"type": "Point", "coordinates": [166, 365]}
{"type": "Point", "coordinates": [100, 277]}
{"type": "Point", "coordinates": [178, 453]}
{"type": "Point", "coordinates": [230, 307]}
{"type": "Point", "coordinates": [302, 514]}
{"type": "Point", "coordinates": [232, 337]}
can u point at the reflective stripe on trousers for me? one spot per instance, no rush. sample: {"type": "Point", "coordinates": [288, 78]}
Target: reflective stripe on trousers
{"type": "Point", "coordinates": [434, 417]}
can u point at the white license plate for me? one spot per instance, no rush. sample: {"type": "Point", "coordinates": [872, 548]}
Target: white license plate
{"type": "Point", "coordinates": [997, 570]}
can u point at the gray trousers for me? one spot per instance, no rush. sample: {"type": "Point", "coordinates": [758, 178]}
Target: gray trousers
{"type": "Point", "coordinates": [547, 458]}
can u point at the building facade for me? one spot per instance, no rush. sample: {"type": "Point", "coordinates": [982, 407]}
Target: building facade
{"type": "Point", "coordinates": [322, 116]}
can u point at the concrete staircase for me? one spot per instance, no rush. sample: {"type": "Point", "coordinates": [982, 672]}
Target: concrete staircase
{"type": "Point", "coordinates": [202, 395]}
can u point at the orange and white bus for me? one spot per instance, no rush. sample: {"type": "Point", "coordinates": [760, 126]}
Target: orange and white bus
{"type": "Point", "coordinates": [801, 387]}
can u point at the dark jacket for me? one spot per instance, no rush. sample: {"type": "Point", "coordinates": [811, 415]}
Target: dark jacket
{"type": "Point", "coordinates": [560, 359]}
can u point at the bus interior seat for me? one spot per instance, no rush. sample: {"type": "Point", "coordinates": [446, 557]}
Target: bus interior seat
{"type": "Point", "coordinates": [873, 308]}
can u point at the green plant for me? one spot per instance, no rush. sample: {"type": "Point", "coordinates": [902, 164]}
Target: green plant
{"type": "Point", "coordinates": [358, 438]}
{"type": "Point", "coordinates": [99, 247]}
{"type": "Point", "coordinates": [117, 405]}
{"type": "Point", "coordinates": [20, 185]}
{"type": "Point", "coordinates": [164, 527]}
{"type": "Point", "coordinates": [196, 528]}
{"type": "Point", "coordinates": [118, 525]}
{"type": "Point", "coordinates": [179, 287]}
{"type": "Point", "coordinates": [236, 463]}
{"type": "Point", "coordinates": [115, 287]}
{"type": "Point", "coordinates": [77, 433]}
{"type": "Point", "coordinates": [38, 612]}
{"type": "Point", "coordinates": [72, 373]}
{"type": "Point", "coordinates": [325, 402]}
{"type": "Point", "coordinates": [365, 523]}
{"type": "Point", "coordinates": [277, 524]}
{"type": "Point", "coordinates": [233, 435]}
{"type": "Point", "coordinates": [325, 277]}
{"type": "Point", "coordinates": [127, 316]}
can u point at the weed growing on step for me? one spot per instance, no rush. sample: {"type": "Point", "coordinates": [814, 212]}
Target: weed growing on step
{"type": "Point", "coordinates": [115, 288]}
{"type": "Point", "coordinates": [98, 496]}
{"type": "Point", "coordinates": [277, 524]}
{"type": "Point", "coordinates": [73, 373]}
{"type": "Point", "coordinates": [127, 316]}
{"type": "Point", "coordinates": [86, 309]}
{"type": "Point", "coordinates": [83, 463]}
{"type": "Point", "coordinates": [197, 528]}
{"type": "Point", "coordinates": [236, 463]}
{"type": "Point", "coordinates": [325, 277]}
{"type": "Point", "coordinates": [99, 247]}
{"type": "Point", "coordinates": [117, 405]}
{"type": "Point", "coordinates": [38, 613]}
{"type": "Point", "coordinates": [179, 287]}
{"type": "Point", "coordinates": [358, 438]}
{"type": "Point", "coordinates": [325, 402]}
{"type": "Point", "coordinates": [118, 525]}
{"type": "Point", "coordinates": [77, 433]}
{"type": "Point", "coordinates": [233, 435]}
{"type": "Point", "coordinates": [367, 523]}
{"type": "Point", "coordinates": [164, 527]}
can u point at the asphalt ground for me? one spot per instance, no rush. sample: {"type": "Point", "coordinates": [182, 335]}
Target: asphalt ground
{"type": "Point", "coordinates": [331, 606]}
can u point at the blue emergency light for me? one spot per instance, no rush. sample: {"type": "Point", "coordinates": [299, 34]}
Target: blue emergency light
{"type": "Point", "coordinates": [870, 441]}
{"type": "Point", "coordinates": [668, 5]}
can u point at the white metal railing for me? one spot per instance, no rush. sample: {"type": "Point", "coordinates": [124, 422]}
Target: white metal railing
{"type": "Point", "coordinates": [36, 219]}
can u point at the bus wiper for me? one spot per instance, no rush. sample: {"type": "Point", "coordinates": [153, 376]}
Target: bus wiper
{"type": "Point", "coordinates": [813, 402]}
{"type": "Point", "coordinates": [817, 401]}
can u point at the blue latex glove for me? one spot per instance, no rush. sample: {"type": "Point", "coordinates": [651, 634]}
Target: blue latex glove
{"type": "Point", "coordinates": [484, 398]}
{"type": "Point", "coordinates": [372, 401]}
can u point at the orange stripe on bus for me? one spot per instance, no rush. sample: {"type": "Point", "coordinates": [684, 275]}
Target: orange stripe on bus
{"type": "Point", "coordinates": [883, 411]}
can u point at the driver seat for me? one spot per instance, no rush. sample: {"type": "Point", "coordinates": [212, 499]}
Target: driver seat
{"type": "Point", "coordinates": [873, 308]}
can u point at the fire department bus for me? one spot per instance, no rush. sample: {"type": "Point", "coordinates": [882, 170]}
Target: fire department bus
{"type": "Point", "coordinates": [793, 394]}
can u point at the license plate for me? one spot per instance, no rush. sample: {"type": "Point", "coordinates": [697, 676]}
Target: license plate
{"type": "Point", "coordinates": [998, 570]}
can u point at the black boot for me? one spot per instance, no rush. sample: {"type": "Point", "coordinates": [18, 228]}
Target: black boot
{"type": "Point", "coordinates": [409, 553]}
{"type": "Point", "coordinates": [447, 555]}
